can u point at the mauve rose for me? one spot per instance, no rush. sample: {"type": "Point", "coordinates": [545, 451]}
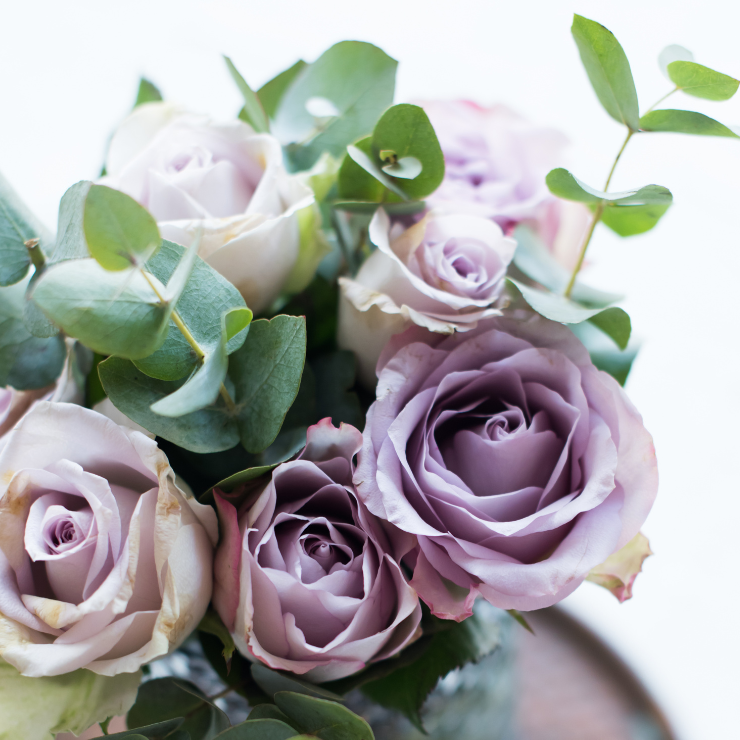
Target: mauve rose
{"type": "Point", "coordinates": [303, 576]}
{"type": "Point", "coordinates": [105, 563]}
{"type": "Point", "coordinates": [495, 167]}
{"type": "Point", "coordinates": [517, 464]}
{"type": "Point", "coordinates": [225, 182]}
{"type": "Point", "coordinates": [444, 273]}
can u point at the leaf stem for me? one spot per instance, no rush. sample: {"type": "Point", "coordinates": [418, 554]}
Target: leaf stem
{"type": "Point", "coordinates": [190, 339]}
{"type": "Point", "coordinates": [667, 95]}
{"type": "Point", "coordinates": [34, 252]}
{"type": "Point", "coordinates": [597, 217]}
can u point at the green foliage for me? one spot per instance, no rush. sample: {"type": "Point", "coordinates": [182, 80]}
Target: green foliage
{"type": "Point", "coordinates": [70, 243]}
{"type": "Point", "coordinates": [17, 225]}
{"type": "Point", "coordinates": [633, 220]}
{"type": "Point", "coordinates": [271, 93]}
{"type": "Point", "coordinates": [702, 82]}
{"type": "Point", "coordinates": [272, 682]}
{"type": "Point", "coordinates": [147, 93]}
{"type": "Point", "coordinates": [355, 182]}
{"type": "Point", "coordinates": [252, 112]}
{"type": "Point", "coordinates": [321, 718]}
{"type": "Point", "coordinates": [604, 354]}
{"type": "Point", "coordinates": [26, 362]}
{"type": "Point", "coordinates": [157, 731]}
{"type": "Point", "coordinates": [268, 711]}
{"type": "Point", "coordinates": [168, 698]}
{"type": "Point", "coordinates": [259, 729]}
{"type": "Point", "coordinates": [212, 625]}
{"type": "Point", "coordinates": [608, 70]}
{"type": "Point", "coordinates": [358, 81]}
{"type": "Point", "coordinates": [118, 231]}
{"type": "Point", "coordinates": [334, 375]}
{"type": "Point", "coordinates": [564, 185]}
{"type": "Point", "coordinates": [684, 122]}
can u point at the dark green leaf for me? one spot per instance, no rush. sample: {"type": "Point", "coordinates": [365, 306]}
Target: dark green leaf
{"type": "Point", "coordinates": [212, 624]}
{"type": "Point", "coordinates": [271, 93]}
{"type": "Point", "coordinates": [157, 731]}
{"type": "Point", "coordinates": [266, 373]}
{"type": "Point", "coordinates": [252, 112]}
{"type": "Point", "coordinates": [271, 682]}
{"type": "Point", "coordinates": [148, 93]}
{"type": "Point", "coordinates": [615, 323]}
{"type": "Point", "coordinates": [321, 718]}
{"type": "Point", "coordinates": [454, 645]}
{"type": "Point", "coordinates": [113, 313]}
{"type": "Point", "coordinates": [357, 78]}
{"type": "Point", "coordinates": [684, 122]}
{"type": "Point", "coordinates": [169, 698]}
{"type": "Point", "coordinates": [119, 232]}
{"type": "Point", "coordinates": [227, 485]}
{"type": "Point", "coordinates": [17, 225]}
{"type": "Point", "coordinates": [267, 711]}
{"type": "Point", "coordinates": [633, 220]}
{"type": "Point", "coordinates": [608, 70]}
{"type": "Point", "coordinates": [26, 362]}
{"type": "Point", "coordinates": [209, 430]}
{"type": "Point", "coordinates": [406, 130]}
{"type": "Point", "coordinates": [335, 376]}
{"type": "Point", "coordinates": [565, 185]}
{"type": "Point", "coordinates": [702, 82]}
{"type": "Point", "coordinates": [206, 297]}
{"type": "Point", "coordinates": [259, 729]}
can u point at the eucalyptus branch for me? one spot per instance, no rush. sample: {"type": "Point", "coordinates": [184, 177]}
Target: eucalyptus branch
{"type": "Point", "coordinates": [38, 258]}
{"type": "Point", "coordinates": [189, 338]}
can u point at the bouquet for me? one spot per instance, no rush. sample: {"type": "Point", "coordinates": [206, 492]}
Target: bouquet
{"type": "Point", "coordinates": [302, 387]}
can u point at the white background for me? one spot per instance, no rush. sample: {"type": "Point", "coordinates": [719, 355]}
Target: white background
{"type": "Point", "coordinates": [68, 74]}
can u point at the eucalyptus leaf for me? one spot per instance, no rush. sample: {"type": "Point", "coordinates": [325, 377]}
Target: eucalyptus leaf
{"type": "Point", "coordinates": [564, 185]}
{"type": "Point", "coordinates": [357, 78]}
{"type": "Point", "coordinates": [147, 93]}
{"type": "Point", "coordinates": [34, 318]}
{"type": "Point", "coordinates": [267, 711]}
{"type": "Point", "coordinates": [271, 682]}
{"type": "Point", "coordinates": [259, 729]}
{"type": "Point", "coordinates": [406, 130]}
{"type": "Point", "coordinates": [70, 243]}
{"type": "Point", "coordinates": [266, 373]}
{"type": "Point", "coordinates": [113, 313]}
{"type": "Point", "coordinates": [702, 82]}
{"type": "Point", "coordinates": [673, 53]}
{"type": "Point", "coordinates": [355, 183]}
{"type": "Point", "coordinates": [119, 232]}
{"type": "Point", "coordinates": [17, 226]}
{"type": "Point", "coordinates": [168, 698]}
{"type": "Point", "coordinates": [157, 731]}
{"type": "Point", "coordinates": [369, 207]}
{"type": "Point", "coordinates": [324, 719]}
{"type": "Point", "coordinates": [633, 220]}
{"type": "Point", "coordinates": [252, 112]}
{"type": "Point", "coordinates": [133, 393]}
{"type": "Point", "coordinates": [271, 93]}
{"type": "Point", "coordinates": [407, 168]}
{"type": "Point", "coordinates": [608, 70]}
{"type": "Point", "coordinates": [604, 354]}
{"type": "Point", "coordinates": [684, 122]}
{"type": "Point", "coordinates": [212, 624]}
{"type": "Point", "coordinates": [373, 168]}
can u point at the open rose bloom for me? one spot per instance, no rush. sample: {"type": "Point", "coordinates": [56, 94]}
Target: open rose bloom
{"type": "Point", "coordinates": [105, 563]}
{"type": "Point", "coordinates": [305, 580]}
{"type": "Point", "coordinates": [516, 463]}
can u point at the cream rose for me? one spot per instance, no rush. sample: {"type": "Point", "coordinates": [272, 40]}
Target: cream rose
{"type": "Point", "coordinates": [227, 183]}
{"type": "Point", "coordinates": [105, 563]}
{"type": "Point", "coordinates": [445, 274]}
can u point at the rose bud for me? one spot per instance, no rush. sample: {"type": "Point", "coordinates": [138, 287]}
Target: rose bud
{"type": "Point", "coordinates": [226, 183]}
{"type": "Point", "coordinates": [105, 563]}
{"type": "Point", "coordinates": [517, 464]}
{"type": "Point", "coordinates": [304, 578]}
{"type": "Point", "coordinates": [445, 274]}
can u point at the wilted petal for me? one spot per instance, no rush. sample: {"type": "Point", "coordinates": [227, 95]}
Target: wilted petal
{"type": "Point", "coordinates": [619, 571]}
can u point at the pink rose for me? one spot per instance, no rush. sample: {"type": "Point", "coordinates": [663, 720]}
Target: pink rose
{"type": "Point", "coordinates": [105, 563]}
{"type": "Point", "coordinates": [445, 274]}
{"type": "Point", "coordinates": [304, 578]}
{"type": "Point", "coordinates": [516, 463]}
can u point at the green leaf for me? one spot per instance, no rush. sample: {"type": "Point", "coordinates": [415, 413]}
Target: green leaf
{"type": "Point", "coordinates": [271, 93]}
{"type": "Point", "coordinates": [169, 698]}
{"type": "Point", "coordinates": [252, 112]}
{"type": "Point", "coordinates": [271, 682]}
{"type": "Point", "coordinates": [606, 357]}
{"type": "Point", "coordinates": [70, 243]}
{"type": "Point", "coordinates": [132, 392]}
{"type": "Point", "coordinates": [702, 82]}
{"type": "Point", "coordinates": [406, 130]}
{"type": "Point", "coordinates": [26, 362]}
{"type": "Point", "coordinates": [608, 70]}
{"type": "Point", "coordinates": [266, 373]}
{"type": "Point", "coordinates": [452, 646]}
{"type": "Point", "coordinates": [367, 207]}
{"type": "Point", "coordinates": [148, 93]}
{"type": "Point", "coordinates": [119, 232]}
{"type": "Point", "coordinates": [519, 618]}
{"type": "Point", "coordinates": [324, 719]}
{"type": "Point", "coordinates": [673, 53]}
{"type": "Point", "coordinates": [38, 708]}
{"type": "Point", "coordinates": [335, 376]}
{"type": "Point", "coordinates": [355, 183]}
{"type": "Point", "coordinates": [373, 168]}
{"type": "Point", "coordinates": [613, 321]}
{"type": "Point", "coordinates": [564, 185]}
{"type": "Point", "coordinates": [113, 313]}
{"type": "Point", "coordinates": [212, 624]}
{"type": "Point", "coordinates": [157, 731]}
{"type": "Point", "coordinates": [34, 318]}
{"type": "Point", "coordinates": [267, 711]}
{"type": "Point", "coordinates": [17, 225]}
{"type": "Point", "coordinates": [259, 729]}
{"type": "Point", "coordinates": [359, 81]}
{"type": "Point", "coordinates": [633, 220]}
{"type": "Point", "coordinates": [684, 122]}
{"type": "Point", "coordinates": [205, 298]}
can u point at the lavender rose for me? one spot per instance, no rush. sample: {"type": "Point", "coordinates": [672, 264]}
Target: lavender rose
{"type": "Point", "coordinates": [444, 273]}
{"type": "Point", "coordinates": [227, 183]}
{"type": "Point", "coordinates": [304, 578]}
{"type": "Point", "coordinates": [105, 563]}
{"type": "Point", "coordinates": [517, 464]}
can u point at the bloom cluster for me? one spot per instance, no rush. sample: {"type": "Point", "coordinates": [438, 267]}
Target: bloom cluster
{"type": "Point", "coordinates": [427, 410]}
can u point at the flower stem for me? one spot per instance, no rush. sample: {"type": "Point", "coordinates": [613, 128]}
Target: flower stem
{"type": "Point", "coordinates": [190, 339]}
